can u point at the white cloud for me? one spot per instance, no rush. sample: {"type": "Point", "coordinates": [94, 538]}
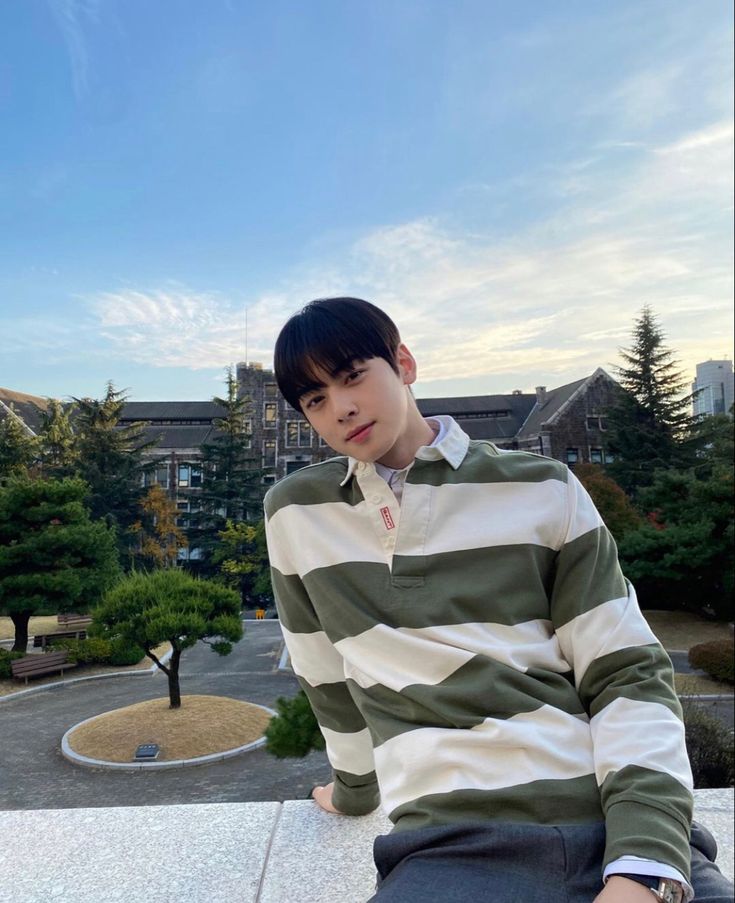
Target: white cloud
{"type": "Point", "coordinates": [548, 304]}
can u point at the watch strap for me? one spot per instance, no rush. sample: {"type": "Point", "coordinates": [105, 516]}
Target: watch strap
{"type": "Point", "coordinates": [664, 889]}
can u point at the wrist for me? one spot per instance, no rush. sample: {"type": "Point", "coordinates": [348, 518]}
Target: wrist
{"type": "Point", "coordinates": [666, 890]}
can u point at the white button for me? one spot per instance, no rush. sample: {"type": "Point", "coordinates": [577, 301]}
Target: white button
{"type": "Point", "coordinates": [361, 466]}
{"type": "Point", "coordinates": [375, 499]}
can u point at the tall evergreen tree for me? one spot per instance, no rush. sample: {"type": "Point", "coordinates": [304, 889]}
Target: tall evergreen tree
{"type": "Point", "coordinates": [112, 460]}
{"type": "Point", "coordinates": [58, 451]}
{"type": "Point", "coordinates": [231, 481]}
{"type": "Point", "coordinates": [650, 425]}
{"type": "Point", "coordinates": [18, 448]}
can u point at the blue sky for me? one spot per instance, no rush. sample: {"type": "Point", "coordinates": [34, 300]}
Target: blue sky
{"type": "Point", "coordinates": [512, 182]}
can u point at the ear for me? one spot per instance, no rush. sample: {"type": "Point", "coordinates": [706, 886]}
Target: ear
{"type": "Point", "coordinates": [406, 365]}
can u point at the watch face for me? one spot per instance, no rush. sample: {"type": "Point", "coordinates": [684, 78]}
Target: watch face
{"type": "Point", "coordinates": [670, 891]}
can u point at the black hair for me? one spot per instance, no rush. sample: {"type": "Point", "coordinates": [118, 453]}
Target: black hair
{"type": "Point", "coordinates": [328, 335]}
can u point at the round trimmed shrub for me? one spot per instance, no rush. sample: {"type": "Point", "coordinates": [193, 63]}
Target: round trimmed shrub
{"type": "Point", "coordinates": [123, 653]}
{"type": "Point", "coordinates": [717, 658]}
{"type": "Point", "coordinates": [709, 747]}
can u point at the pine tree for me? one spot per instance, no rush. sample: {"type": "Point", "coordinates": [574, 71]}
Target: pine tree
{"type": "Point", "coordinates": [169, 605]}
{"type": "Point", "coordinates": [18, 448]}
{"type": "Point", "coordinates": [57, 441]}
{"type": "Point", "coordinates": [650, 425]}
{"type": "Point", "coordinates": [112, 460]}
{"type": "Point", "coordinates": [52, 556]}
{"type": "Point", "coordinates": [231, 482]}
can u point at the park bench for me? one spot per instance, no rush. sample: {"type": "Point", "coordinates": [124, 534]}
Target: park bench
{"type": "Point", "coordinates": [74, 628]}
{"type": "Point", "coordinates": [37, 665]}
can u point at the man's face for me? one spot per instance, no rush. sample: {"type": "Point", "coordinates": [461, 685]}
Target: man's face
{"type": "Point", "coordinates": [361, 411]}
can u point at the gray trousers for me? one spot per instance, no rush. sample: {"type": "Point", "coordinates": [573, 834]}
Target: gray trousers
{"type": "Point", "coordinates": [510, 863]}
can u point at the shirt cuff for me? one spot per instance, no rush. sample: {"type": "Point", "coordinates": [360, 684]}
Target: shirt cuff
{"type": "Point", "coordinates": [634, 865]}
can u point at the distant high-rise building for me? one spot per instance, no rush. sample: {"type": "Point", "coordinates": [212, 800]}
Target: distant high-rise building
{"type": "Point", "coordinates": [713, 388]}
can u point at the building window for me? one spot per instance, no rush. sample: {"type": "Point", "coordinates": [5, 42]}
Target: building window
{"type": "Point", "coordinates": [184, 475]}
{"type": "Point", "coordinates": [183, 508]}
{"type": "Point", "coordinates": [269, 452]}
{"type": "Point", "coordinates": [572, 456]}
{"type": "Point", "coordinates": [595, 422]}
{"type": "Point", "coordinates": [162, 476]}
{"type": "Point", "coordinates": [269, 413]}
{"type": "Point", "coordinates": [293, 466]}
{"type": "Point", "coordinates": [196, 478]}
{"type": "Point", "coordinates": [292, 433]}
{"type": "Point", "coordinates": [269, 478]}
{"type": "Point", "coordinates": [596, 456]}
{"type": "Point", "coordinates": [248, 426]}
{"type": "Point", "coordinates": [305, 433]}
{"type": "Point", "coordinates": [270, 390]}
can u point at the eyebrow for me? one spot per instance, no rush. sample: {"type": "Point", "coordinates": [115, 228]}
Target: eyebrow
{"type": "Point", "coordinates": [344, 367]}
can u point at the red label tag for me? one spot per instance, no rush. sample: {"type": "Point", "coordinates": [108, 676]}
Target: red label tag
{"type": "Point", "coordinates": [387, 519]}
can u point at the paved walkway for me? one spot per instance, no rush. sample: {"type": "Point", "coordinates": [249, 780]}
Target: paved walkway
{"type": "Point", "coordinates": [34, 774]}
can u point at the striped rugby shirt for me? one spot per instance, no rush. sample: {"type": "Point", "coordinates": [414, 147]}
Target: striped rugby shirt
{"type": "Point", "coordinates": [475, 653]}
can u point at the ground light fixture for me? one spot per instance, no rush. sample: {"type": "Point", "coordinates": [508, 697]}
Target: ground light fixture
{"type": "Point", "coordinates": [146, 752]}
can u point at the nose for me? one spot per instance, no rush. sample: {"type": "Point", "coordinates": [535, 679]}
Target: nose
{"type": "Point", "coordinates": [345, 406]}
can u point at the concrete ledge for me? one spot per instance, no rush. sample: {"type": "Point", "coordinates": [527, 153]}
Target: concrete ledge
{"type": "Point", "coordinates": [249, 852]}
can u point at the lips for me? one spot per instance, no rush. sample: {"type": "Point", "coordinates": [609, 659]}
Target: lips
{"type": "Point", "coordinates": [360, 433]}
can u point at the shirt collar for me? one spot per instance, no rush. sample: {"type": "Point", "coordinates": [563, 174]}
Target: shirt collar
{"type": "Point", "coordinates": [451, 444]}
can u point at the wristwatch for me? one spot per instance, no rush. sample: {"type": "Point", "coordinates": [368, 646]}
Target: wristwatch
{"type": "Point", "coordinates": [664, 889]}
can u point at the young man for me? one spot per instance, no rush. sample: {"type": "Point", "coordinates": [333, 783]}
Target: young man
{"type": "Point", "coordinates": [472, 652]}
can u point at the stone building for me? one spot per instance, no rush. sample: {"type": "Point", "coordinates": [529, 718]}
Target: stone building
{"type": "Point", "coordinates": [567, 423]}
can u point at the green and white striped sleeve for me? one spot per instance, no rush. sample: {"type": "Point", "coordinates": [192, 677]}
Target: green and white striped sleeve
{"type": "Point", "coordinates": [319, 668]}
{"type": "Point", "coordinates": [625, 681]}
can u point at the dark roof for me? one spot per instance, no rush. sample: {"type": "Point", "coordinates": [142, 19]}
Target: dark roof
{"type": "Point", "coordinates": [171, 410]}
{"type": "Point", "coordinates": [474, 413]}
{"type": "Point", "coordinates": [476, 404]}
{"type": "Point", "coordinates": [175, 437]}
{"type": "Point", "coordinates": [27, 407]}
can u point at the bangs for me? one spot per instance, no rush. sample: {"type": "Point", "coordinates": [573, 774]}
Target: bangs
{"type": "Point", "coordinates": [326, 337]}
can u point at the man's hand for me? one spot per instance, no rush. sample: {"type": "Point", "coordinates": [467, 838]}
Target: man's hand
{"type": "Point", "coordinates": [323, 796]}
{"type": "Point", "coordinates": [622, 890]}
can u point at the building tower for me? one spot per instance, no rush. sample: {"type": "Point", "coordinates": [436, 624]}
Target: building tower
{"type": "Point", "coordinates": [713, 388]}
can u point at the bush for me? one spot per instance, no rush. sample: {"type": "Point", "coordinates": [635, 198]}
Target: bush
{"type": "Point", "coordinates": [294, 733]}
{"type": "Point", "coordinates": [709, 747]}
{"type": "Point", "coordinates": [717, 658]}
{"type": "Point", "coordinates": [92, 651]}
{"type": "Point", "coordinates": [6, 657]}
{"type": "Point", "coordinates": [124, 653]}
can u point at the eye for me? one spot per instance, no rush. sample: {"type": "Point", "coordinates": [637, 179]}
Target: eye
{"type": "Point", "coordinates": [312, 402]}
{"type": "Point", "coordinates": [354, 374]}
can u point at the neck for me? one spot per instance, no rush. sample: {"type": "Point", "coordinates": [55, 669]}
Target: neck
{"type": "Point", "coordinates": [418, 432]}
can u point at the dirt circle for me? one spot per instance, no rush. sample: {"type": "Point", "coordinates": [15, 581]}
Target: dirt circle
{"type": "Point", "coordinates": [204, 725]}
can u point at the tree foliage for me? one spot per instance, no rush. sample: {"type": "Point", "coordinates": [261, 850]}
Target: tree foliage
{"type": "Point", "coordinates": [111, 460]}
{"type": "Point", "coordinates": [294, 732]}
{"type": "Point", "coordinates": [148, 609]}
{"type": "Point", "coordinates": [231, 488]}
{"type": "Point", "coordinates": [650, 425]}
{"type": "Point", "coordinates": [58, 444]}
{"type": "Point", "coordinates": [241, 559]}
{"type": "Point", "coordinates": [683, 557]}
{"type": "Point", "coordinates": [159, 536]}
{"type": "Point", "coordinates": [18, 448]}
{"type": "Point", "coordinates": [615, 507]}
{"type": "Point", "coordinates": [53, 557]}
